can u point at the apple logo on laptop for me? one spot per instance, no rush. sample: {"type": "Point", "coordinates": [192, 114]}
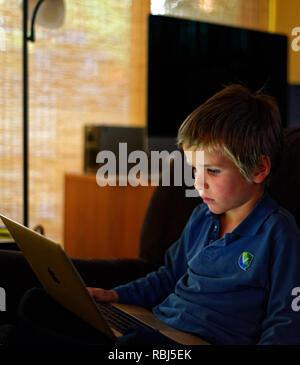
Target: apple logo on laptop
{"type": "Point", "coordinates": [51, 273]}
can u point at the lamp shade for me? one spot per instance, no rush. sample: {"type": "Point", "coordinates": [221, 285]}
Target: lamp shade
{"type": "Point", "coordinates": [50, 14]}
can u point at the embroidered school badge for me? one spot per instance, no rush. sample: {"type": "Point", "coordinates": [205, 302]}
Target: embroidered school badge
{"type": "Point", "coordinates": [245, 260]}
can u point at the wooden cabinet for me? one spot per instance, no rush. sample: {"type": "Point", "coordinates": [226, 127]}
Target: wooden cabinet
{"type": "Point", "coordinates": [103, 222]}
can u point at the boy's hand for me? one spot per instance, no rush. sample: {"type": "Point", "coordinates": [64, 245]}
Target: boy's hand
{"type": "Point", "coordinates": [102, 295]}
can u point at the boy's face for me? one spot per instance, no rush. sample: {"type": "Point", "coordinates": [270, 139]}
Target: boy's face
{"type": "Point", "coordinates": [220, 184]}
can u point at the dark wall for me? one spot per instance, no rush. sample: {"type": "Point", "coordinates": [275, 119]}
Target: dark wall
{"type": "Point", "coordinates": [293, 105]}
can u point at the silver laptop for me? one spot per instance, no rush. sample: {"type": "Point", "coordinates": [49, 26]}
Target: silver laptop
{"type": "Point", "coordinates": [62, 282]}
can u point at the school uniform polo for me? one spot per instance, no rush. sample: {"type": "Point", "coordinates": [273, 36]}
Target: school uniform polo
{"type": "Point", "coordinates": [232, 290]}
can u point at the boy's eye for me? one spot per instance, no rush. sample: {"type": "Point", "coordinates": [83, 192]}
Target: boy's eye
{"type": "Point", "coordinates": [213, 171]}
{"type": "Point", "coordinates": [210, 171]}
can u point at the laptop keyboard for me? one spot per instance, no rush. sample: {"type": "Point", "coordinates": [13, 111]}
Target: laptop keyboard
{"type": "Point", "coordinates": [118, 319]}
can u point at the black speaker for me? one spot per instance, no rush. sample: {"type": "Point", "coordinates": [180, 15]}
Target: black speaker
{"type": "Point", "coordinates": [99, 138]}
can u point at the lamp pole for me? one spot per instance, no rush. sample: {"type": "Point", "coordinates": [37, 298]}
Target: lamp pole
{"type": "Point", "coordinates": [26, 38]}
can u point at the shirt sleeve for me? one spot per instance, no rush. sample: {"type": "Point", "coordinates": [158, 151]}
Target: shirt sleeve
{"type": "Point", "coordinates": [156, 286]}
{"type": "Point", "coordinates": [281, 325]}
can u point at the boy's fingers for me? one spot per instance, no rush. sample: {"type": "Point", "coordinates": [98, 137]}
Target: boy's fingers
{"type": "Point", "coordinates": [102, 295]}
{"type": "Point", "coordinates": [97, 293]}
{"type": "Point", "coordinates": [94, 292]}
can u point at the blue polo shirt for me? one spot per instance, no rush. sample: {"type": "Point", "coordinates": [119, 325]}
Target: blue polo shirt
{"type": "Point", "coordinates": [232, 290]}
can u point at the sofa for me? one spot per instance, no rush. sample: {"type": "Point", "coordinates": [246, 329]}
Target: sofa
{"type": "Point", "coordinates": [166, 216]}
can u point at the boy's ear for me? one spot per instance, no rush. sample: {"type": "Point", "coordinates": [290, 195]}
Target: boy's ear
{"type": "Point", "coordinates": [262, 170]}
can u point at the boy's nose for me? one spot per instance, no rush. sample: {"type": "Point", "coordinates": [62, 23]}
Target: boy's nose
{"type": "Point", "coordinates": [200, 183]}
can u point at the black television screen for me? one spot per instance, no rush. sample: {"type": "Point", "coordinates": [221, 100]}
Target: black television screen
{"type": "Point", "coordinates": [189, 61]}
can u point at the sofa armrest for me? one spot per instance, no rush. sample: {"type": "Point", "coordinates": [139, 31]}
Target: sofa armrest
{"type": "Point", "coordinates": [16, 276]}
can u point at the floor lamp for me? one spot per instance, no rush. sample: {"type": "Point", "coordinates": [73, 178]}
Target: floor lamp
{"type": "Point", "coordinates": [49, 14]}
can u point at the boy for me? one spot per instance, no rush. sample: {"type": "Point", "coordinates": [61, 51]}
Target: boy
{"type": "Point", "coordinates": [229, 278]}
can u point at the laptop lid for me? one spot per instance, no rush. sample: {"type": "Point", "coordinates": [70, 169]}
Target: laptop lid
{"type": "Point", "coordinates": [57, 274]}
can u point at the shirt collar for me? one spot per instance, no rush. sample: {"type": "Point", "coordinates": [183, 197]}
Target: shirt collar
{"type": "Point", "coordinates": [251, 224]}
